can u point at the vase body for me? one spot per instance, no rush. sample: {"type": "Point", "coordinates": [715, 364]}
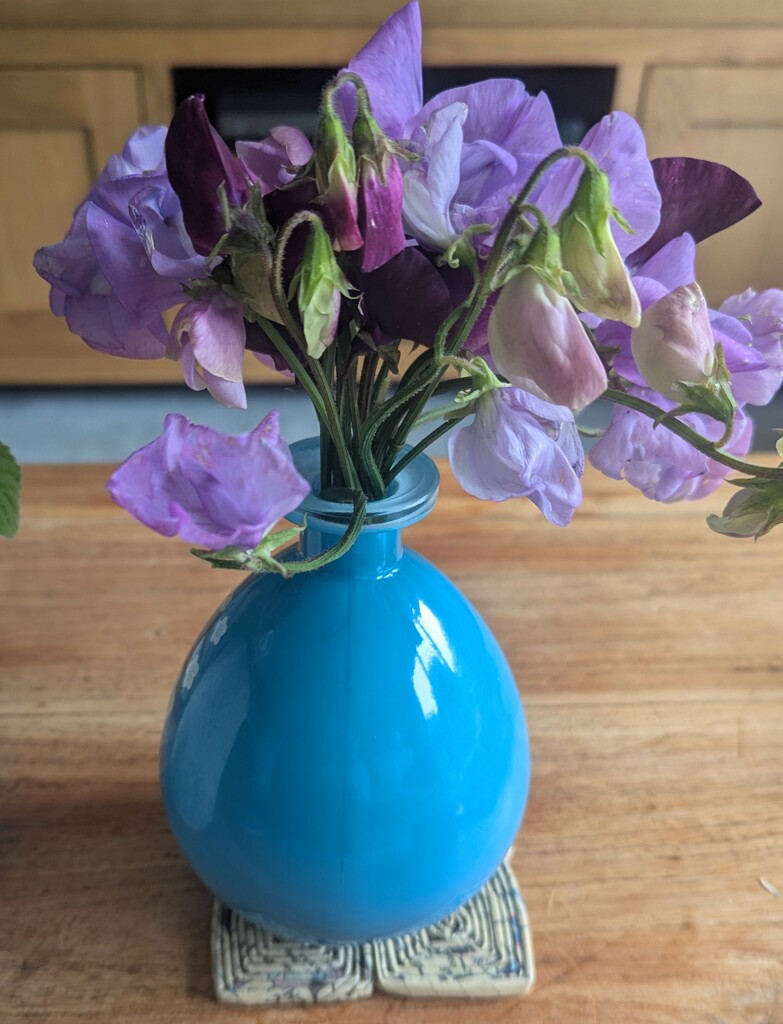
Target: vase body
{"type": "Point", "coordinates": [345, 755]}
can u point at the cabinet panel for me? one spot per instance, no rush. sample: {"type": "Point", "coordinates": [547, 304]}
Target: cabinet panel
{"type": "Point", "coordinates": [57, 128]}
{"type": "Point", "coordinates": [734, 116]}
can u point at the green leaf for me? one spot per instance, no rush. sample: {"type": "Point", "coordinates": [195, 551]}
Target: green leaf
{"type": "Point", "coordinates": [10, 489]}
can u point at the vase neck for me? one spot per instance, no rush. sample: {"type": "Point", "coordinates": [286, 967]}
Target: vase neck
{"type": "Point", "coordinates": [373, 553]}
{"type": "Point", "coordinates": [378, 547]}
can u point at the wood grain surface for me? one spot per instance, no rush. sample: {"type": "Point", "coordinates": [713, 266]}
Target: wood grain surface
{"type": "Point", "coordinates": [650, 657]}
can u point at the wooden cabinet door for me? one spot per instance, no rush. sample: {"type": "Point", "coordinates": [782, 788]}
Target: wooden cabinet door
{"type": "Point", "coordinates": [57, 129]}
{"type": "Point", "coordinates": [735, 116]}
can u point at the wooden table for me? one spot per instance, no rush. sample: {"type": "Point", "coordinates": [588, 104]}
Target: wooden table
{"type": "Point", "coordinates": [650, 656]}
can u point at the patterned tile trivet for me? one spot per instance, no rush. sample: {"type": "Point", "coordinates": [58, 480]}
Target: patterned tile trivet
{"type": "Point", "coordinates": [481, 951]}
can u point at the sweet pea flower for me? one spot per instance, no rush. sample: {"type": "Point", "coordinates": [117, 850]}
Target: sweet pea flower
{"type": "Point", "coordinates": [335, 167]}
{"type": "Point", "coordinates": [208, 335]}
{"type": "Point", "coordinates": [211, 488]}
{"type": "Point", "coordinates": [657, 462]}
{"type": "Point", "coordinates": [275, 162]}
{"type": "Point", "coordinates": [125, 256]}
{"type": "Point", "coordinates": [321, 283]}
{"type": "Point", "coordinates": [380, 194]}
{"type": "Point", "coordinates": [759, 315]}
{"type": "Point", "coordinates": [590, 253]}
{"type": "Point", "coordinates": [674, 342]}
{"type": "Point", "coordinates": [538, 343]}
{"type": "Point", "coordinates": [520, 447]}
{"type": "Point", "coordinates": [199, 164]}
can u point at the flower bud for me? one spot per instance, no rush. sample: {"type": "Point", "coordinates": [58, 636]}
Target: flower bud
{"type": "Point", "coordinates": [321, 282]}
{"type": "Point", "coordinates": [380, 193]}
{"type": "Point", "coordinates": [674, 343]}
{"type": "Point", "coordinates": [752, 511]}
{"type": "Point", "coordinates": [590, 254]}
{"type": "Point", "coordinates": [335, 168]}
{"type": "Point", "coordinates": [539, 344]}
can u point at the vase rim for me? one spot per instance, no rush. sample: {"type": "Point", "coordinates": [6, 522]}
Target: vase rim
{"type": "Point", "coordinates": [412, 494]}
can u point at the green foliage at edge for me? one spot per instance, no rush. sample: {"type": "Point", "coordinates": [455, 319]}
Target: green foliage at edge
{"type": "Point", "coordinates": [10, 490]}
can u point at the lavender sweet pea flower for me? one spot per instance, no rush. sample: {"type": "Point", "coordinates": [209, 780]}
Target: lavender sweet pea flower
{"type": "Point", "coordinates": [275, 161]}
{"type": "Point", "coordinates": [760, 317]}
{"type": "Point", "coordinates": [657, 462]}
{"type": "Point", "coordinates": [210, 488]}
{"type": "Point", "coordinates": [478, 146]}
{"type": "Point", "coordinates": [209, 337]}
{"type": "Point", "coordinates": [520, 447]}
{"type": "Point", "coordinates": [390, 67]}
{"type": "Point", "coordinates": [537, 342]}
{"type": "Point", "coordinates": [125, 256]}
{"type": "Point", "coordinates": [618, 147]}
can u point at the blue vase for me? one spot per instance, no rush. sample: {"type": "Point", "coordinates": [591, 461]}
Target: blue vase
{"type": "Point", "coordinates": [345, 755]}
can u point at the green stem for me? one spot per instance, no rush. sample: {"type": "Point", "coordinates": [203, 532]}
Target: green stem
{"type": "Point", "coordinates": [474, 304]}
{"type": "Point", "coordinates": [331, 417]}
{"type": "Point", "coordinates": [694, 439]}
{"type": "Point", "coordinates": [417, 449]}
{"type": "Point", "coordinates": [342, 545]}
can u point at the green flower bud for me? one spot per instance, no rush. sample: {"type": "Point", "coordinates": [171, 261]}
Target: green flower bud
{"type": "Point", "coordinates": [602, 284]}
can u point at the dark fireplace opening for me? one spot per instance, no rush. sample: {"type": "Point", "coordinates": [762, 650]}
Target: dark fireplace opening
{"type": "Point", "coordinates": [245, 103]}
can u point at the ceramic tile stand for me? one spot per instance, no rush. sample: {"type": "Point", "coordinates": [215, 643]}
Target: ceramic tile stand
{"type": "Point", "coordinates": [481, 951]}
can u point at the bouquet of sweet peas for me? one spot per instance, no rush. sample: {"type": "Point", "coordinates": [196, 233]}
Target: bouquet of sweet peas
{"type": "Point", "coordinates": [531, 277]}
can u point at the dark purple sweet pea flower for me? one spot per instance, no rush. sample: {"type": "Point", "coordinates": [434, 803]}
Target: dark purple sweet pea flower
{"type": "Point", "coordinates": [276, 161]}
{"type": "Point", "coordinates": [209, 337]}
{"type": "Point", "coordinates": [698, 197]}
{"type": "Point", "coordinates": [198, 163]}
{"type": "Point", "coordinates": [657, 462]}
{"type": "Point", "coordinates": [210, 488]}
{"type": "Point", "coordinates": [427, 298]}
{"type": "Point", "coordinates": [520, 447]}
{"type": "Point", "coordinates": [125, 256]}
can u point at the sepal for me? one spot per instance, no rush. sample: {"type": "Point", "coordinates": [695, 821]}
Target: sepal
{"type": "Point", "coordinates": [258, 559]}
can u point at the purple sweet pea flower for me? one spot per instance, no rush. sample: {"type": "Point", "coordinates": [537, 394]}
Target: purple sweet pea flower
{"type": "Point", "coordinates": [657, 462]}
{"type": "Point", "coordinates": [390, 67]}
{"type": "Point", "coordinates": [478, 145]}
{"type": "Point", "coordinates": [520, 447]}
{"type": "Point", "coordinates": [380, 194]}
{"type": "Point", "coordinates": [759, 316]}
{"type": "Point", "coordinates": [275, 161]}
{"type": "Point", "coordinates": [210, 488]}
{"type": "Point", "coordinates": [617, 145]}
{"type": "Point", "coordinates": [199, 163]}
{"type": "Point", "coordinates": [538, 343]}
{"type": "Point", "coordinates": [209, 337]}
{"type": "Point", "coordinates": [752, 346]}
{"type": "Point", "coordinates": [124, 257]}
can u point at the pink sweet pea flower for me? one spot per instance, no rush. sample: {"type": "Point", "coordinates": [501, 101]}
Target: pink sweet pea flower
{"type": "Point", "coordinates": [674, 341]}
{"type": "Point", "coordinates": [210, 488]}
{"type": "Point", "coordinates": [538, 343]}
{"type": "Point", "coordinates": [209, 337]}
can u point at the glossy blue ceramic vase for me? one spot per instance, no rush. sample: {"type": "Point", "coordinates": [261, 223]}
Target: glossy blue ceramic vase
{"type": "Point", "coordinates": [345, 756]}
